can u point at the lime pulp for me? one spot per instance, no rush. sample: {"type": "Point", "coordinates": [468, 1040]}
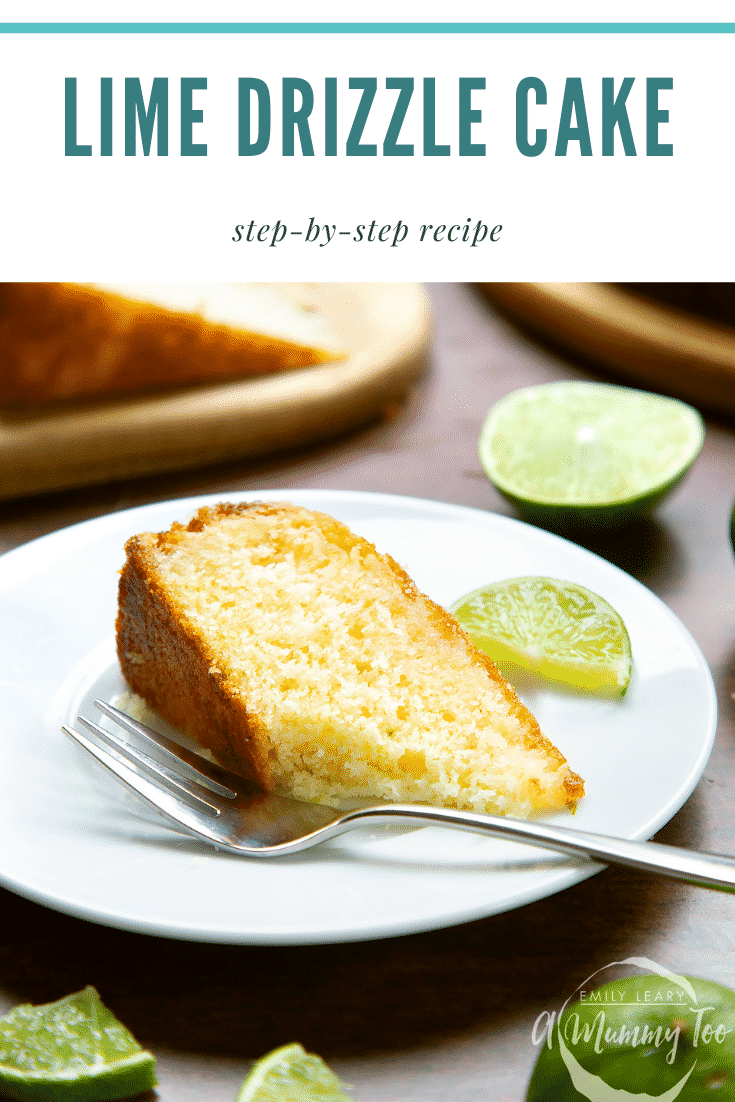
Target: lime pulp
{"type": "Point", "coordinates": [583, 452]}
{"type": "Point", "coordinates": [556, 629]}
{"type": "Point", "coordinates": [73, 1050]}
{"type": "Point", "coordinates": [289, 1074]}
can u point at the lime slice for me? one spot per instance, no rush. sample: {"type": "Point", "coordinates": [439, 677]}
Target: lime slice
{"type": "Point", "coordinates": [575, 452]}
{"type": "Point", "coordinates": [557, 629]}
{"type": "Point", "coordinates": [290, 1074]}
{"type": "Point", "coordinates": [73, 1050]}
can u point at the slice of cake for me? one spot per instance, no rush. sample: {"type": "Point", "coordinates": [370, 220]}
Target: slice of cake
{"type": "Point", "coordinates": [71, 340]}
{"type": "Point", "coordinates": [300, 656]}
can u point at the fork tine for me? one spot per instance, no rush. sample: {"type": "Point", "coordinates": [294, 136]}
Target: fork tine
{"type": "Point", "coordinates": [170, 751]}
{"type": "Point", "coordinates": [172, 806]}
{"type": "Point", "coordinates": [159, 774]}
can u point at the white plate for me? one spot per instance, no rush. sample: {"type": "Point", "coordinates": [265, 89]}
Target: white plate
{"type": "Point", "coordinates": [70, 837]}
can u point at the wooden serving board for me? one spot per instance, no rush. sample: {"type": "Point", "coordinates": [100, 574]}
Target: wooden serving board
{"type": "Point", "coordinates": [656, 345]}
{"type": "Point", "coordinates": [385, 326]}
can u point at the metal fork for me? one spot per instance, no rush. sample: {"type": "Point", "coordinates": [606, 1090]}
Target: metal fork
{"type": "Point", "coordinates": [233, 814]}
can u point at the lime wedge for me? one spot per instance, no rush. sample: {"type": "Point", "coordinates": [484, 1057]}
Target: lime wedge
{"type": "Point", "coordinates": [556, 629]}
{"type": "Point", "coordinates": [587, 453]}
{"type": "Point", "coordinates": [289, 1074]}
{"type": "Point", "coordinates": [73, 1050]}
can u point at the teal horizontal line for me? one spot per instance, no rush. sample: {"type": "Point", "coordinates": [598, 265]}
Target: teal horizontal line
{"type": "Point", "coordinates": [367, 28]}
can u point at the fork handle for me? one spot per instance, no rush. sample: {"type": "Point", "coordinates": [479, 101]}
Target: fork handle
{"type": "Point", "coordinates": [707, 870]}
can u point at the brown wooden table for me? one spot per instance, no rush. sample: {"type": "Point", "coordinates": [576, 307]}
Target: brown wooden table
{"type": "Point", "coordinates": [443, 1015]}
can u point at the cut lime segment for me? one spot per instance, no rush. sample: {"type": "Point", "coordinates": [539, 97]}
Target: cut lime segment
{"type": "Point", "coordinates": [574, 452]}
{"type": "Point", "coordinates": [556, 629]}
{"type": "Point", "coordinates": [73, 1050]}
{"type": "Point", "coordinates": [290, 1074]}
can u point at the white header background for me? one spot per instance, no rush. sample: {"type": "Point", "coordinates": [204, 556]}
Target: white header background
{"type": "Point", "coordinates": [573, 217]}
{"type": "Point", "coordinates": [392, 10]}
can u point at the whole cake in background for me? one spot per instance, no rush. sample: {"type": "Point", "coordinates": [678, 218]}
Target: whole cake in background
{"type": "Point", "coordinates": [78, 340]}
{"type": "Point", "coordinates": [301, 657]}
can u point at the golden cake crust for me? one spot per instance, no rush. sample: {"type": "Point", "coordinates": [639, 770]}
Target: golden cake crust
{"type": "Point", "coordinates": [167, 662]}
{"type": "Point", "coordinates": [69, 340]}
{"type": "Point", "coordinates": [169, 665]}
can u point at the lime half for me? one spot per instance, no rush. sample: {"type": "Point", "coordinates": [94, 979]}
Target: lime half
{"type": "Point", "coordinates": [586, 453]}
{"type": "Point", "coordinates": [643, 1038]}
{"type": "Point", "coordinates": [73, 1050]}
{"type": "Point", "coordinates": [290, 1074]}
{"type": "Point", "coordinates": [554, 628]}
